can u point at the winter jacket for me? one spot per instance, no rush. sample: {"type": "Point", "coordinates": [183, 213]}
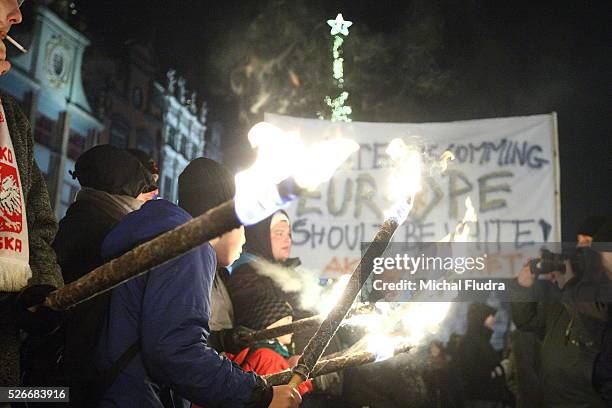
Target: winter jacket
{"type": "Point", "coordinates": [79, 238]}
{"type": "Point", "coordinates": [222, 311]}
{"type": "Point", "coordinates": [245, 283]}
{"type": "Point", "coordinates": [570, 344]}
{"type": "Point", "coordinates": [477, 360]}
{"type": "Point", "coordinates": [167, 311]}
{"type": "Point", "coordinates": [42, 226]}
{"type": "Point", "coordinates": [525, 357]}
{"type": "Point", "coordinates": [77, 245]}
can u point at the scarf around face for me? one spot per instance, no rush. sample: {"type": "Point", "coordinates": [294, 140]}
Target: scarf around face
{"type": "Point", "coordinates": [114, 205]}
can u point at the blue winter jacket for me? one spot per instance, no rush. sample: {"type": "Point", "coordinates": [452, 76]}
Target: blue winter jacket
{"type": "Point", "coordinates": [168, 310]}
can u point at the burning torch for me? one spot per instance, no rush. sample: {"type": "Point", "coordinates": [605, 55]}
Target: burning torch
{"type": "Point", "coordinates": [408, 174]}
{"type": "Point", "coordinates": [285, 167]}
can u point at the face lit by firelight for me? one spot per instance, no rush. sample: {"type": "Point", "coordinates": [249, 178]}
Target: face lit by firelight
{"type": "Point", "coordinates": [280, 238]}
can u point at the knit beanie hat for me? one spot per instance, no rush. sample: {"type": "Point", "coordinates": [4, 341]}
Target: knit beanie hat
{"type": "Point", "coordinates": [112, 170]}
{"type": "Point", "coordinates": [204, 184]}
{"type": "Point", "coordinates": [262, 311]}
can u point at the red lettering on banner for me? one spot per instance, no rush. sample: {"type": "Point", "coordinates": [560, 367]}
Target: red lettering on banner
{"type": "Point", "coordinates": [1, 117]}
{"type": "Point", "coordinates": [336, 267]}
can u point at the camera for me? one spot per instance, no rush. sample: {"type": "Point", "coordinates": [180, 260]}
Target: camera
{"type": "Point", "coordinates": [548, 262]}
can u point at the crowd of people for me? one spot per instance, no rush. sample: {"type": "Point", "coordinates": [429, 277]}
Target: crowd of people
{"type": "Point", "coordinates": [175, 336]}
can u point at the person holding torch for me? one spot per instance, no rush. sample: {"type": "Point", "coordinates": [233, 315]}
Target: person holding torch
{"type": "Point", "coordinates": [162, 317]}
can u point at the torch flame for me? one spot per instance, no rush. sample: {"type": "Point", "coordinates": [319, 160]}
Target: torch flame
{"type": "Point", "coordinates": [408, 324]}
{"type": "Point", "coordinates": [383, 346]}
{"type": "Point", "coordinates": [424, 318]}
{"type": "Point", "coordinates": [321, 160]}
{"type": "Point", "coordinates": [282, 155]}
{"type": "Point", "coordinates": [444, 158]}
{"type": "Point", "coordinates": [462, 230]}
{"type": "Point", "coordinates": [404, 180]}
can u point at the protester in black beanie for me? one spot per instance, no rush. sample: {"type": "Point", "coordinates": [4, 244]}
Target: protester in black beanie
{"type": "Point", "coordinates": [197, 197]}
{"type": "Point", "coordinates": [111, 179]}
{"type": "Point", "coordinates": [112, 170]}
{"type": "Point", "coordinates": [165, 312]}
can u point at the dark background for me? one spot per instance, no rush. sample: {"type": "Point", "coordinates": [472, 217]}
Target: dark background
{"type": "Point", "coordinates": [504, 58]}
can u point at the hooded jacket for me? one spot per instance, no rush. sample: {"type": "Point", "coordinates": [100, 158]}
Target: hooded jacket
{"type": "Point", "coordinates": [244, 282]}
{"type": "Point", "coordinates": [168, 310]}
{"type": "Point", "coordinates": [477, 359]}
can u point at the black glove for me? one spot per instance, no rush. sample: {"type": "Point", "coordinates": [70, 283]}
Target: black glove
{"type": "Point", "coordinates": [43, 320]}
{"type": "Point", "coordinates": [229, 340]}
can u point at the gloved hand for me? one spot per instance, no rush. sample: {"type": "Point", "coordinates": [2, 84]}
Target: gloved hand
{"type": "Point", "coordinates": [229, 340]}
{"type": "Point", "coordinates": [41, 321]}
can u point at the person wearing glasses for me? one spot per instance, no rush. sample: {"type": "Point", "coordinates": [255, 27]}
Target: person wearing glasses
{"type": "Point", "coordinates": [28, 267]}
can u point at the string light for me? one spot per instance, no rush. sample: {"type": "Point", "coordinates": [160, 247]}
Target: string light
{"type": "Point", "coordinates": [340, 112]}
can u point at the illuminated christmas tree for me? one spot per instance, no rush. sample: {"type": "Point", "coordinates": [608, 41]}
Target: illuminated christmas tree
{"type": "Point", "coordinates": [340, 111]}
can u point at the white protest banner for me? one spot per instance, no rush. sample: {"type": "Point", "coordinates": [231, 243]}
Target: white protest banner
{"type": "Point", "coordinates": [509, 167]}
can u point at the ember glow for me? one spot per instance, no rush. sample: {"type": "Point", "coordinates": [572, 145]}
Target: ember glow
{"type": "Point", "coordinates": [281, 156]}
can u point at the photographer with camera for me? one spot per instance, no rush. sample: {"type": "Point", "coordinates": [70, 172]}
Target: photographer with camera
{"type": "Point", "coordinates": [602, 371]}
{"type": "Point", "coordinates": [570, 319]}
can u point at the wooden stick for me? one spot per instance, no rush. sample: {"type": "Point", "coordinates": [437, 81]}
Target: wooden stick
{"type": "Point", "coordinates": [139, 260]}
{"type": "Point", "coordinates": [331, 365]}
{"type": "Point", "coordinates": [319, 342]}
{"type": "Point", "coordinates": [294, 327]}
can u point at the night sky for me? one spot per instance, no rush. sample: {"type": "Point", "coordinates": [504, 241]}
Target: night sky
{"type": "Point", "coordinates": [548, 56]}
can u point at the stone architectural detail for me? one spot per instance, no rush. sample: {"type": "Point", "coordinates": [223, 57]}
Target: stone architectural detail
{"type": "Point", "coordinates": [128, 107]}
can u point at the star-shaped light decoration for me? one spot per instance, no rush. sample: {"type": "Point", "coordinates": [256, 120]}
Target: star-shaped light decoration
{"type": "Point", "coordinates": [339, 25]}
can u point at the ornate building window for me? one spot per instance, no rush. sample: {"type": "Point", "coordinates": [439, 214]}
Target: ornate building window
{"type": "Point", "coordinates": [44, 131]}
{"type": "Point", "coordinates": [76, 144]}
